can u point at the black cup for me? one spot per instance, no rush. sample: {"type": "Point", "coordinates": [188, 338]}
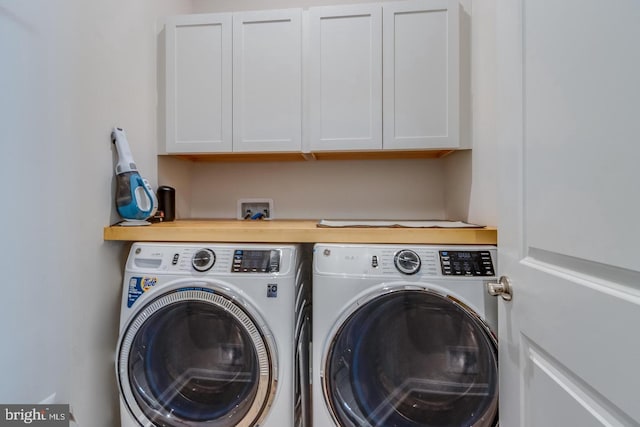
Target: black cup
{"type": "Point", "coordinates": [167, 202]}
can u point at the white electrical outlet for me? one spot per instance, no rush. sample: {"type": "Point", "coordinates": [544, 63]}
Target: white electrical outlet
{"type": "Point", "coordinates": [255, 208]}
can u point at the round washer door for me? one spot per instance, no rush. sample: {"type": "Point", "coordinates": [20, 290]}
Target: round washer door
{"type": "Point", "coordinates": [194, 357]}
{"type": "Point", "coordinates": [411, 358]}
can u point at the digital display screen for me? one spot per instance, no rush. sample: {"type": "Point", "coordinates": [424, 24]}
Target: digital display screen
{"type": "Point", "coordinates": [258, 260]}
{"type": "Point", "coordinates": [464, 255]}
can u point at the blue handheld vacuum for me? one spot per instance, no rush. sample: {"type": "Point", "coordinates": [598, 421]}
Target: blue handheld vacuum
{"type": "Point", "coordinates": [135, 200]}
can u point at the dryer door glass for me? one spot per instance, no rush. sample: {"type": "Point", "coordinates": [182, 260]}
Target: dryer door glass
{"type": "Point", "coordinates": [410, 359]}
{"type": "Point", "coordinates": [193, 358]}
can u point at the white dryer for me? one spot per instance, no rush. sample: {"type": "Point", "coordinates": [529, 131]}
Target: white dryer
{"type": "Point", "coordinates": [207, 335]}
{"type": "Point", "coordinates": [402, 336]}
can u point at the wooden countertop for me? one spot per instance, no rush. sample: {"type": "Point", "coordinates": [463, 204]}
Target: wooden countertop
{"type": "Point", "coordinates": [294, 231]}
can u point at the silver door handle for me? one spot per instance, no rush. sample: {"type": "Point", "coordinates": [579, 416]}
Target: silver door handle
{"type": "Point", "coordinates": [502, 288]}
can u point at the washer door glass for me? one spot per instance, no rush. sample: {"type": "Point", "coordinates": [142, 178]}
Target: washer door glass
{"type": "Point", "coordinates": [193, 358]}
{"type": "Point", "coordinates": [412, 358]}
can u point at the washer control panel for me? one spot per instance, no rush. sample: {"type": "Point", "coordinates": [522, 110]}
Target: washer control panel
{"type": "Point", "coordinates": [255, 261]}
{"type": "Point", "coordinates": [466, 263]}
{"type": "Point", "coordinates": [211, 259]}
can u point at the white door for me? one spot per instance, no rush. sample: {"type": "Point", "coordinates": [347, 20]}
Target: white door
{"type": "Point", "coordinates": [345, 77]}
{"type": "Point", "coordinates": [267, 80]}
{"type": "Point", "coordinates": [569, 133]}
{"type": "Point", "coordinates": [198, 83]}
{"type": "Point", "coordinates": [421, 74]}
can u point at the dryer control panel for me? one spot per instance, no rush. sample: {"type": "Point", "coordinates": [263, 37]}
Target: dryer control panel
{"type": "Point", "coordinates": [466, 263]}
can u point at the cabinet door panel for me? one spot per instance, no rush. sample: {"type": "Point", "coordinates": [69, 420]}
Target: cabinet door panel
{"type": "Point", "coordinates": [267, 97]}
{"type": "Point", "coordinates": [198, 84]}
{"type": "Point", "coordinates": [345, 78]}
{"type": "Point", "coordinates": [421, 76]}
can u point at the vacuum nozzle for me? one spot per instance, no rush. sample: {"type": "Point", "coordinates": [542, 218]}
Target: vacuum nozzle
{"type": "Point", "coordinates": [125, 158]}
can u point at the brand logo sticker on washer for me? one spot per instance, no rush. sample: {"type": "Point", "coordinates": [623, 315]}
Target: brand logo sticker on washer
{"type": "Point", "coordinates": [138, 286]}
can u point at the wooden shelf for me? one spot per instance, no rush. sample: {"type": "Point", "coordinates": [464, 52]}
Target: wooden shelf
{"type": "Point", "coordinates": [294, 231]}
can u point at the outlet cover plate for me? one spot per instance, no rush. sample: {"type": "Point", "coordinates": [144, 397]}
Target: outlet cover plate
{"type": "Point", "coordinates": [247, 208]}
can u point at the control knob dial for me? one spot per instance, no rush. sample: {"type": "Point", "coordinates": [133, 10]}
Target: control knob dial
{"type": "Point", "coordinates": [407, 261]}
{"type": "Point", "coordinates": [203, 259]}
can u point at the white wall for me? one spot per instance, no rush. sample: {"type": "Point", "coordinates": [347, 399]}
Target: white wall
{"type": "Point", "coordinates": [71, 70]}
{"type": "Point", "coordinates": [380, 189]}
{"type": "Point", "coordinates": [371, 189]}
{"type": "Point", "coordinates": [471, 176]}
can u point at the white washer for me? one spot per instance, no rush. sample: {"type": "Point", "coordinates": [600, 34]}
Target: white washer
{"type": "Point", "coordinates": [402, 336]}
{"type": "Point", "coordinates": [208, 335]}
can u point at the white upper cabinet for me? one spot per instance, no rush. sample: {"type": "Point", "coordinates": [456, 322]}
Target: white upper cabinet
{"type": "Point", "coordinates": [421, 74]}
{"type": "Point", "coordinates": [380, 76]}
{"type": "Point", "coordinates": [234, 82]}
{"type": "Point", "coordinates": [198, 83]}
{"type": "Point", "coordinates": [345, 77]}
{"type": "Point", "coordinates": [267, 81]}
